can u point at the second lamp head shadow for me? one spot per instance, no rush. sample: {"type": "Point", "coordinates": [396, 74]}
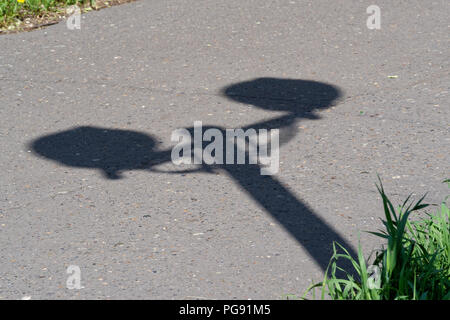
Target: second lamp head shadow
{"type": "Point", "coordinates": [292, 95]}
{"type": "Point", "coordinates": [110, 150]}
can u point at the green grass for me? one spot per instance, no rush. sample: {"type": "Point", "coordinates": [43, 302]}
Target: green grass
{"type": "Point", "coordinates": [12, 12]}
{"type": "Point", "coordinates": [414, 265]}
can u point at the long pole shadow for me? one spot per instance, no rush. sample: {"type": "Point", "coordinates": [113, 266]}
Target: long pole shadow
{"type": "Point", "coordinates": [305, 226]}
{"type": "Point", "coordinates": [311, 231]}
{"type": "Point", "coordinates": [113, 151]}
{"type": "Point", "coordinates": [298, 99]}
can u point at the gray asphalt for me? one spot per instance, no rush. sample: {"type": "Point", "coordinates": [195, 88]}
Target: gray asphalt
{"type": "Point", "coordinates": [137, 72]}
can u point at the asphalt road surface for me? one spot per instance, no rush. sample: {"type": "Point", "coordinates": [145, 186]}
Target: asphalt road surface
{"type": "Point", "coordinates": [86, 117]}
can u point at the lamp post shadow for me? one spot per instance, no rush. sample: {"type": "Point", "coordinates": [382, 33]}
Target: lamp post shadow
{"type": "Point", "coordinates": [113, 151]}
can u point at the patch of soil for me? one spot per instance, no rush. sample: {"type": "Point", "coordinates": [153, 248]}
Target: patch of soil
{"type": "Point", "coordinates": [45, 19]}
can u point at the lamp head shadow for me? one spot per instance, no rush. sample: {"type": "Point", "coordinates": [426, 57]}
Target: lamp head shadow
{"type": "Point", "coordinates": [298, 97]}
{"type": "Point", "coordinates": [110, 150]}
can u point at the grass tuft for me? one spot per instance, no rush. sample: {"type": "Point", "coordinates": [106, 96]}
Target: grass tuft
{"type": "Point", "coordinates": [414, 265]}
{"type": "Point", "coordinates": [13, 12]}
